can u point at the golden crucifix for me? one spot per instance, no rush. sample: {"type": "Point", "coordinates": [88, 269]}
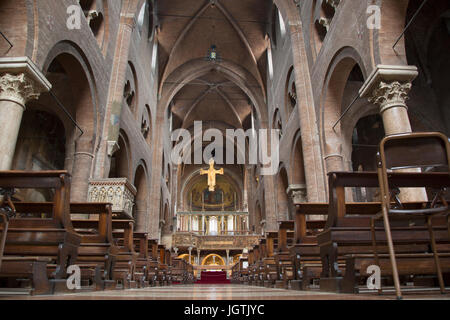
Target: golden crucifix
{"type": "Point", "coordinates": [211, 172]}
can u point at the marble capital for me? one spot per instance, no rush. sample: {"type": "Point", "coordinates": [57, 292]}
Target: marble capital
{"type": "Point", "coordinates": [390, 95]}
{"type": "Point", "coordinates": [388, 86]}
{"type": "Point", "coordinates": [21, 80]}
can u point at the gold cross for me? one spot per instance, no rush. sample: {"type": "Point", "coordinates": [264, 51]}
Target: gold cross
{"type": "Point", "coordinates": [211, 172]}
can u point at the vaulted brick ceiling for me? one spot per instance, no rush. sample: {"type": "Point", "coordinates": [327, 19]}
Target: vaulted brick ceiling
{"type": "Point", "coordinates": [188, 28]}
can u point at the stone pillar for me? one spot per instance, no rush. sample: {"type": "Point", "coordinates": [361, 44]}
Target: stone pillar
{"type": "Point", "coordinates": [20, 82]}
{"type": "Point", "coordinates": [388, 87]}
{"type": "Point", "coordinates": [198, 257]}
{"type": "Point", "coordinates": [228, 257]}
{"type": "Point", "coordinates": [81, 172]}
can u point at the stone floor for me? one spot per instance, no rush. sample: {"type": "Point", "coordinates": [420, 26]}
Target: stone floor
{"type": "Point", "coordinates": [218, 292]}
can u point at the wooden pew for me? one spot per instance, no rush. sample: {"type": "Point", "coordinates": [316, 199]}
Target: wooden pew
{"type": "Point", "coordinates": [285, 266]}
{"type": "Point", "coordinates": [33, 242]}
{"type": "Point", "coordinates": [269, 263]}
{"type": "Point", "coordinates": [126, 259]}
{"type": "Point", "coordinates": [261, 258]}
{"type": "Point", "coordinates": [190, 273]}
{"type": "Point", "coordinates": [179, 271]}
{"type": "Point", "coordinates": [239, 274]}
{"type": "Point", "coordinates": [257, 267]}
{"type": "Point", "coordinates": [168, 261]}
{"type": "Point", "coordinates": [305, 252]}
{"type": "Point", "coordinates": [153, 263]}
{"type": "Point", "coordinates": [162, 266]}
{"type": "Point", "coordinates": [143, 260]}
{"type": "Point", "coordinates": [243, 270]}
{"type": "Point", "coordinates": [97, 252]}
{"type": "Point", "coordinates": [235, 274]}
{"type": "Point", "coordinates": [348, 238]}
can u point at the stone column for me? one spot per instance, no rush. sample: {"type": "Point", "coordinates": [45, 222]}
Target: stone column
{"type": "Point", "coordinates": [388, 87]}
{"type": "Point", "coordinates": [228, 257]}
{"type": "Point", "coordinates": [81, 172]}
{"type": "Point", "coordinates": [20, 82]}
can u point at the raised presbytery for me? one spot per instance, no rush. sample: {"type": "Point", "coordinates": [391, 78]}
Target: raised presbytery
{"type": "Point", "coordinates": [224, 149]}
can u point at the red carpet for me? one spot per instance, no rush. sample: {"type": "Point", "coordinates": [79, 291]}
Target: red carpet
{"type": "Point", "coordinates": [219, 277]}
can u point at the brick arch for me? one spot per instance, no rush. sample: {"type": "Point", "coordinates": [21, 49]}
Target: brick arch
{"type": "Point", "coordinates": [78, 68]}
{"type": "Point", "coordinates": [123, 158]}
{"type": "Point", "coordinates": [297, 162]}
{"type": "Point", "coordinates": [140, 209]}
{"type": "Point", "coordinates": [66, 66]}
{"type": "Point", "coordinates": [331, 107]}
{"type": "Point", "coordinates": [282, 183]}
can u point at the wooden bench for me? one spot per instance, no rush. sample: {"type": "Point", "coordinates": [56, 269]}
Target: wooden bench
{"type": "Point", "coordinates": [126, 259]}
{"type": "Point", "coordinates": [235, 273]}
{"type": "Point", "coordinates": [190, 273]}
{"type": "Point", "coordinates": [305, 252]}
{"type": "Point", "coordinates": [153, 262]}
{"type": "Point", "coordinates": [35, 242]}
{"type": "Point", "coordinates": [179, 271]}
{"type": "Point", "coordinates": [269, 263]}
{"type": "Point", "coordinates": [348, 238]}
{"type": "Point", "coordinates": [97, 253]}
{"type": "Point", "coordinates": [284, 263]}
{"type": "Point", "coordinates": [168, 261]}
{"type": "Point", "coordinates": [143, 259]}
{"type": "Point", "coordinates": [163, 268]}
{"type": "Point", "coordinates": [257, 265]}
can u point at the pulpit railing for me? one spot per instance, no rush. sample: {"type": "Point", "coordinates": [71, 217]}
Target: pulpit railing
{"type": "Point", "coordinates": [117, 191]}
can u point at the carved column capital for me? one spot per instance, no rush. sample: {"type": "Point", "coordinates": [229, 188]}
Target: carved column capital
{"type": "Point", "coordinates": [21, 80]}
{"type": "Point", "coordinates": [389, 95]}
{"type": "Point", "coordinates": [18, 88]}
{"type": "Point", "coordinates": [389, 86]}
